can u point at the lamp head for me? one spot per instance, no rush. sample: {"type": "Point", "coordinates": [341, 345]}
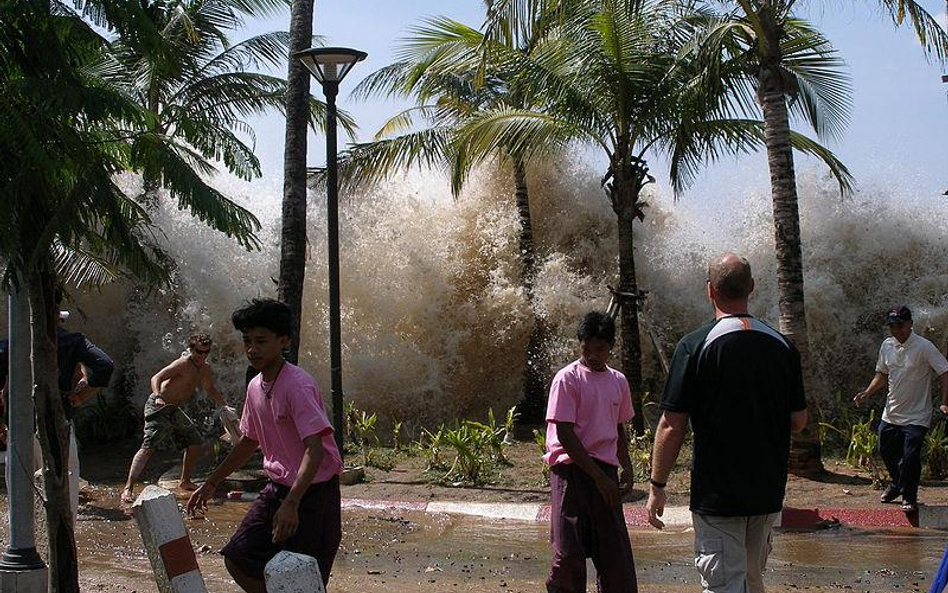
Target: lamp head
{"type": "Point", "coordinates": [330, 64]}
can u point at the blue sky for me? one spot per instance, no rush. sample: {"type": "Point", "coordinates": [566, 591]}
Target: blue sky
{"type": "Point", "coordinates": [898, 133]}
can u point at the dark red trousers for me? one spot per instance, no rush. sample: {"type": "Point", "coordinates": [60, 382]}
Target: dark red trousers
{"type": "Point", "coordinates": [582, 526]}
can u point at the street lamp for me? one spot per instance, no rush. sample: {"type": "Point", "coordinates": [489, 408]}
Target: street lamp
{"type": "Point", "coordinates": [329, 65]}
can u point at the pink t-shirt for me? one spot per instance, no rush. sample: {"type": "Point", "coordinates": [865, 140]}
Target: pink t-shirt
{"type": "Point", "coordinates": [279, 423]}
{"type": "Point", "coordinates": [596, 402]}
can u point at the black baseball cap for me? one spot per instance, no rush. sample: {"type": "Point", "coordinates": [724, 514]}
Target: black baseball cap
{"type": "Point", "coordinates": [898, 315]}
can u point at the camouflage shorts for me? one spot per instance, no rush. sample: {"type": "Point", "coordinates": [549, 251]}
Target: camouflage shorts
{"type": "Point", "coordinates": [167, 427]}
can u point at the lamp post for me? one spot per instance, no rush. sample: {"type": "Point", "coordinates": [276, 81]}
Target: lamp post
{"type": "Point", "coordinates": [329, 65]}
{"type": "Point", "coordinates": [21, 569]}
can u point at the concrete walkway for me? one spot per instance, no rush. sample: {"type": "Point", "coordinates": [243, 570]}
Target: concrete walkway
{"type": "Point", "coordinates": [675, 517]}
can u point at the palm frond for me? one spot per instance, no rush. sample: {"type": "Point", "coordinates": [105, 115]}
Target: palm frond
{"type": "Point", "coordinates": [929, 32]}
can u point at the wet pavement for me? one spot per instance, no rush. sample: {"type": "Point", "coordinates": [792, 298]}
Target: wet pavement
{"type": "Point", "coordinates": [396, 552]}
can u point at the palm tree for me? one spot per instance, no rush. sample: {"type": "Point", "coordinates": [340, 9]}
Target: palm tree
{"type": "Point", "coordinates": [175, 60]}
{"type": "Point", "coordinates": [65, 130]}
{"type": "Point", "coordinates": [59, 149]}
{"type": "Point", "coordinates": [627, 83]}
{"type": "Point", "coordinates": [784, 61]}
{"type": "Point", "coordinates": [293, 233]}
{"type": "Point", "coordinates": [179, 63]}
{"type": "Point", "coordinates": [453, 71]}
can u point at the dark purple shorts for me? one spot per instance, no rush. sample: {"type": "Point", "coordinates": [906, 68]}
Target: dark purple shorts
{"type": "Point", "coordinates": [318, 534]}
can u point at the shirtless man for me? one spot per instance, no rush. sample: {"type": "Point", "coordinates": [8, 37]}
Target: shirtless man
{"type": "Point", "coordinates": [165, 423]}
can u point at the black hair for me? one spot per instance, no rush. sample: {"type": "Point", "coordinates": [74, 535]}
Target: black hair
{"type": "Point", "coordinates": [266, 313]}
{"type": "Point", "coordinates": [597, 324]}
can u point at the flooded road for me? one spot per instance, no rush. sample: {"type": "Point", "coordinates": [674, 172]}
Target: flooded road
{"type": "Point", "coordinates": [396, 552]}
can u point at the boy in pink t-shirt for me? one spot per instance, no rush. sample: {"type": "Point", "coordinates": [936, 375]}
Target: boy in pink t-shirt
{"type": "Point", "coordinates": [299, 510]}
{"type": "Point", "coordinates": [586, 443]}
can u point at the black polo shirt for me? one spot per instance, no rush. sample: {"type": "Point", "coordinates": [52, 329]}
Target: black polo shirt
{"type": "Point", "coordinates": [738, 379]}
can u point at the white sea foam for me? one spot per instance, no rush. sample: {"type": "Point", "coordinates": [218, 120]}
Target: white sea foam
{"type": "Point", "coordinates": [435, 323]}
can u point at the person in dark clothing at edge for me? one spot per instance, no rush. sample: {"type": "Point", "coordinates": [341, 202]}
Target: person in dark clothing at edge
{"type": "Point", "coordinates": [740, 384]}
{"type": "Point", "coordinates": [84, 368]}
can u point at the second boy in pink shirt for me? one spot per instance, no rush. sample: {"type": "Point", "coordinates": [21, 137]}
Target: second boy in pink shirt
{"type": "Point", "coordinates": [299, 510]}
{"type": "Point", "coordinates": [586, 443]}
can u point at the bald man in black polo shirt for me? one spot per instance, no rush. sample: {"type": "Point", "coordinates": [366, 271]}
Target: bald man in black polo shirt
{"type": "Point", "coordinates": [740, 384]}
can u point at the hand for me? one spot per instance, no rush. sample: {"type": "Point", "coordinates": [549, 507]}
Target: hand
{"type": "Point", "coordinates": [199, 498]}
{"type": "Point", "coordinates": [862, 395]}
{"type": "Point", "coordinates": [625, 482]}
{"type": "Point", "coordinates": [943, 408]}
{"type": "Point", "coordinates": [285, 521]}
{"type": "Point", "coordinates": [609, 491]}
{"type": "Point", "coordinates": [656, 506]}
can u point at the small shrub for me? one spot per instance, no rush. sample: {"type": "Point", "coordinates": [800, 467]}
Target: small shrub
{"type": "Point", "coordinates": [364, 427]}
{"type": "Point", "coordinates": [431, 450]}
{"type": "Point", "coordinates": [539, 437]}
{"type": "Point", "coordinates": [473, 444]}
{"type": "Point", "coordinates": [397, 436]}
{"type": "Point", "coordinates": [640, 452]}
{"type": "Point", "coordinates": [936, 443]}
{"type": "Point", "coordinates": [862, 442]}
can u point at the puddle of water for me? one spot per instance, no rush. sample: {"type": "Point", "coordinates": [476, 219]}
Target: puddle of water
{"type": "Point", "coordinates": [409, 552]}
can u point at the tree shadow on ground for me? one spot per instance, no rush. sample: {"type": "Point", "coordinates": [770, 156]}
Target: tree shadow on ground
{"type": "Point", "coordinates": [830, 477]}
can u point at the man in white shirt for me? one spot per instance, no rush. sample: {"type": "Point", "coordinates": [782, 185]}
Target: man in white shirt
{"type": "Point", "coordinates": [906, 362]}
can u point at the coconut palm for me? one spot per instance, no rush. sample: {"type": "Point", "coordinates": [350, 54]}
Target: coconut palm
{"type": "Point", "coordinates": [629, 84]}
{"type": "Point", "coordinates": [65, 132]}
{"type": "Point", "coordinates": [59, 148]}
{"type": "Point", "coordinates": [176, 60]}
{"type": "Point", "coordinates": [444, 68]}
{"type": "Point", "coordinates": [293, 232]}
{"type": "Point", "coordinates": [782, 62]}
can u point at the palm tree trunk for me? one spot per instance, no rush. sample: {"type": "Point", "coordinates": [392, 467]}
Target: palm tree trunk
{"type": "Point", "coordinates": [293, 237]}
{"type": "Point", "coordinates": [149, 197]}
{"type": "Point", "coordinates": [533, 407]}
{"type": "Point", "coordinates": [625, 196]}
{"type": "Point", "coordinates": [53, 431]}
{"type": "Point", "coordinates": [805, 455]}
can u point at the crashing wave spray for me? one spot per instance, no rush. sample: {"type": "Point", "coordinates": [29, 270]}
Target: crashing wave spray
{"type": "Point", "coordinates": [435, 325]}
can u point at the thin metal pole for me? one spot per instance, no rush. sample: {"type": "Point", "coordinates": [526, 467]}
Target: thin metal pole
{"type": "Point", "coordinates": [331, 89]}
{"type": "Point", "coordinates": [21, 551]}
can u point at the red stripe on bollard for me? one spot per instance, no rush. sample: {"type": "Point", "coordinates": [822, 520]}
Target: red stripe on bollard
{"type": "Point", "coordinates": [178, 556]}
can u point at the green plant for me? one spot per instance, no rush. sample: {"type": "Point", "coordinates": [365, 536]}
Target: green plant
{"type": "Point", "coordinates": [640, 452]}
{"type": "Point", "coordinates": [494, 435]}
{"type": "Point", "coordinates": [510, 423]}
{"type": "Point", "coordinates": [862, 442]}
{"type": "Point", "coordinates": [364, 427]}
{"type": "Point", "coordinates": [473, 446]}
{"type": "Point", "coordinates": [936, 443]}
{"type": "Point", "coordinates": [539, 437]}
{"type": "Point", "coordinates": [432, 449]}
{"type": "Point", "coordinates": [397, 435]}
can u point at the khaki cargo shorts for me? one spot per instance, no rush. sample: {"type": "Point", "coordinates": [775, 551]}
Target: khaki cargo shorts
{"type": "Point", "coordinates": [167, 427]}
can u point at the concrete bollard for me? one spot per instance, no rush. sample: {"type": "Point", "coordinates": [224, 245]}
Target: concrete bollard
{"type": "Point", "coordinates": [289, 572]}
{"type": "Point", "coordinates": [167, 542]}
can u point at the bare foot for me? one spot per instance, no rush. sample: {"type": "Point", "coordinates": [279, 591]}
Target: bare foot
{"type": "Point", "coordinates": [188, 485]}
{"type": "Point", "coordinates": [128, 496]}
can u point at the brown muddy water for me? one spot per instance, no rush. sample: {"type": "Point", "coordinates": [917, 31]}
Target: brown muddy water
{"type": "Point", "coordinates": [408, 552]}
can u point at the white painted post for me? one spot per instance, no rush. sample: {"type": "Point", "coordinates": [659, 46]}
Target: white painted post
{"type": "Point", "coordinates": [289, 572]}
{"type": "Point", "coordinates": [167, 542]}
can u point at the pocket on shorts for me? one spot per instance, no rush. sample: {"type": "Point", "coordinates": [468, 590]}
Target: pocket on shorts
{"type": "Point", "coordinates": [709, 560]}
